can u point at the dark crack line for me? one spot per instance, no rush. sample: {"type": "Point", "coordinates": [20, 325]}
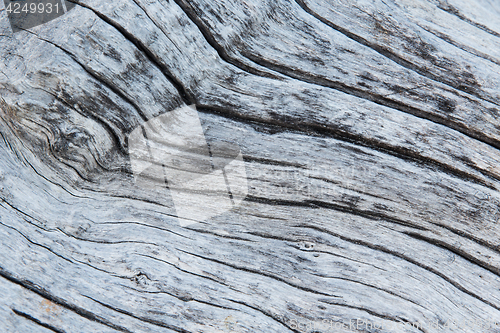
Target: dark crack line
{"type": "Point", "coordinates": [104, 242]}
{"type": "Point", "coordinates": [443, 245]}
{"type": "Point", "coordinates": [369, 286]}
{"type": "Point", "coordinates": [10, 128]}
{"type": "Point", "coordinates": [403, 257]}
{"type": "Point", "coordinates": [390, 55]}
{"type": "Point", "coordinates": [59, 255]}
{"type": "Point", "coordinates": [454, 11]}
{"type": "Point", "coordinates": [25, 215]}
{"type": "Point", "coordinates": [340, 208]}
{"type": "Point", "coordinates": [261, 273]}
{"type": "Point", "coordinates": [59, 301]}
{"type": "Point", "coordinates": [344, 257]}
{"type": "Point", "coordinates": [319, 130]}
{"type": "Point", "coordinates": [381, 100]}
{"type": "Point", "coordinates": [49, 181]}
{"type": "Point", "coordinates": [372, 216]}
{"type": "Point", "coordinates": [268, 161]}
{"type": "Point", "coordinates": [55, 154]}
{"type": "Point", "coordinates": [148, 226]}
{"type": "Point", "coordinates": [205, 231]}
{"type": "Point", "coordinates": [351, 90]}
{"type": "Point", "coordinates": [36, 321]}
{"type": "Point", "coordinates": [180, 298]}
{"type": "Point", "coordinates": [155, 60]}
{"type": "Point", "coordinates": [205, 31]}
{"type": "Point", "coordinates": [474, 135]}
{"type": "Point", "coordinates": [265, 313]}
{"type": "Point", "coordinates": [479, 241]}
{"type": "Point", "coordinates": [143, 319]}
{"type": "Point", "coordinates": [113, 135]}
{"type": "Point", "coordinates": [68, 165]}
{"type": "Point", "coordinates": [96, 76]}
{"type": "Point", "coordinates": [375, 98]}
{"type": "Point", "coordinates": [295, 246]}
{"type": "Point", "coordinates": [162, 29]}
{"type": "Point", "coordinates": [183, 270]}
{"type": "Point", "coordinates": [377, 216]}
{"type": "Point", "coordinates": [375, 314]}
{"type": "Point", "coordinates": [100, 120]}
{"type": "Point", "coordinates": [7, 143]}
{"type": "Point", "coordinates": [465, 48]}
{"type": "Point", "coordinates": [37, 244]}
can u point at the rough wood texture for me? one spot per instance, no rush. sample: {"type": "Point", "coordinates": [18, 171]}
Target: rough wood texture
{"type": "Point", "coordinates": [370, 132]}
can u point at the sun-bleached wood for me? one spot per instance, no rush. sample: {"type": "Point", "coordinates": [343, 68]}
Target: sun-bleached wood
{"type": "Point", "coordinates": [370, 133]}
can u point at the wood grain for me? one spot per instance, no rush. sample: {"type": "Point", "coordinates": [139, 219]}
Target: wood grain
{"type": "Point", "coordinates": [370, 133]}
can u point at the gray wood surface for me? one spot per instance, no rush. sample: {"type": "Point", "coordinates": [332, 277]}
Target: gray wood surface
{"type": "Point", "coordinates": [370, 133]}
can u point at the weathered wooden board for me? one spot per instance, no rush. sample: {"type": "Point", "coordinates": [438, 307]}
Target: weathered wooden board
{"type": "Point", "coordinates": [370, 133]}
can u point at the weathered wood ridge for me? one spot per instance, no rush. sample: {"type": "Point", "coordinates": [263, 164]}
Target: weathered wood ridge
{"type": "Point", "coordinates": [370, 130]}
